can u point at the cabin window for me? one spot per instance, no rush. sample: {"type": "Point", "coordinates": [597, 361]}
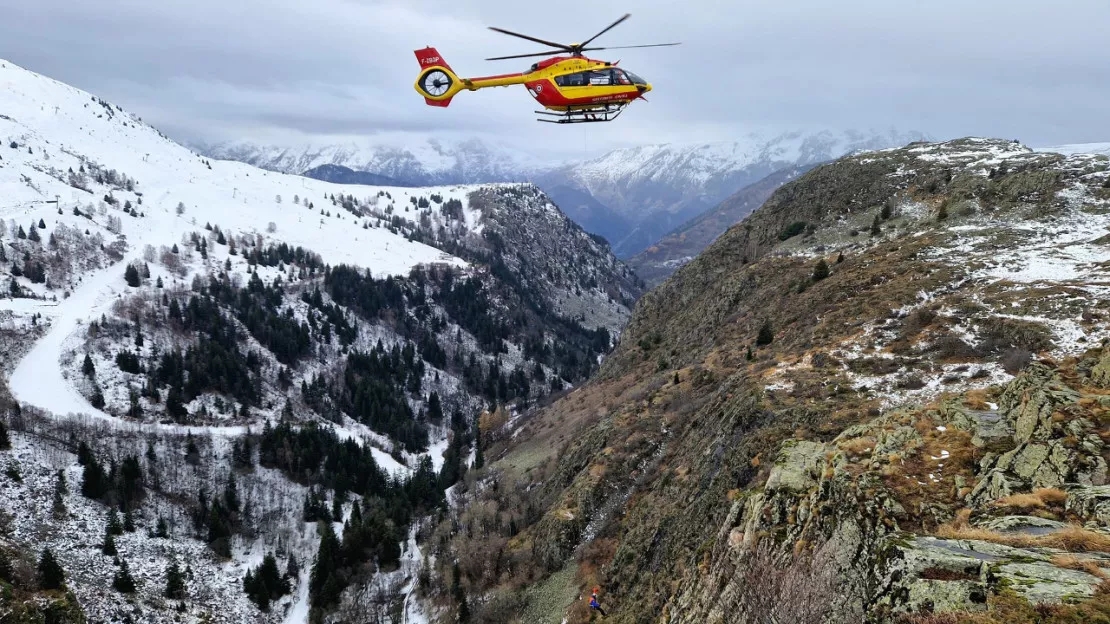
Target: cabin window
{"type": "Point", "coordinates": [600, 78]}
{"type": "Point", "coordinates": [572, 80]}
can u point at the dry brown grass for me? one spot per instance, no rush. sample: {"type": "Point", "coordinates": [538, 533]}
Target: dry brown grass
{"type": "Point", "coordinates": [1071, 538]}
{"type": "Point", "coordinates": [1072, 562]}
{"type": "Point", "coordinates": [976, 399]}
{"type": "Point", "coordinates": [857, 446]}
{"type": "Point", "coordinates": [1037, 499]}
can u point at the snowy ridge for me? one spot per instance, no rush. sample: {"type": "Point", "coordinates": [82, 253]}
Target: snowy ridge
{"type": "Point", "coordinates": [1078, 148]}
{"type": "Point", "coordinates": [433, 161]}
{"type": "Point", "coordinates": [58, 128]}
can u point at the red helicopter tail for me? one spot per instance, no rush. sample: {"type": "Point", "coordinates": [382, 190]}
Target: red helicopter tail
{"type": "Point", "coordinates": [430, 57]}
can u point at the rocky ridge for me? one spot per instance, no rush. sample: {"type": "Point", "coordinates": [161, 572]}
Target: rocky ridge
{"type": "Point", "coordinates": [801, 382]}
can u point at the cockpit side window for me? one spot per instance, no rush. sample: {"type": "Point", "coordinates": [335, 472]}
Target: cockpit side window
{"type": "Point", "coordinates": [620, 78]}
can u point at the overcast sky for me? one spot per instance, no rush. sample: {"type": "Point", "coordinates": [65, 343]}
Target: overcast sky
{"type": "Point", "coordinates": [284, 70]}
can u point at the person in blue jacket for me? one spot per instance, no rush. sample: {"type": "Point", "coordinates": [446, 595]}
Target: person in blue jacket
{"type": "Point", "coordinates": [594, 604]}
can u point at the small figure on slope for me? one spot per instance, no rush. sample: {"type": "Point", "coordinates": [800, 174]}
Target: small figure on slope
{"type": "Point", "coordinates": [594, 604]}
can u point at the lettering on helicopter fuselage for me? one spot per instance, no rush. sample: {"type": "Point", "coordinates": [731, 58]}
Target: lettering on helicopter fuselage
{"type": "Point", "coordinates": [431, 60]}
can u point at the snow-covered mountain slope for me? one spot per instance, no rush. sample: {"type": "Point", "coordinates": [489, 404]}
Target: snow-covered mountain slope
{"type": "Point", "coordinates": [634, 196]}
{"type": "Point", "coordinates": [1078, 148]}
{"type": "Point", "coordinates": [434, 161]}
{"type": "Point", "coordinates": [154, 299]}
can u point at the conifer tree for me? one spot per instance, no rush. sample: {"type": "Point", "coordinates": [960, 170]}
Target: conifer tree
{"type": "Point", "coordinates": [50, 573]}
{"type": "Point", "coordinates": [109, 545]}
{"type": "Point", "coordinates": [175, 582]}
{"type": "Point", "coordinates": [60, 491]}
{"type": "Point", "coordinates": [97, 399]}
{"type": "Point", "coordinates": [942, 214]}
{"type": "Point", "coordinates": [876, 229]}
{"type": "Point", "coordinates": [131, 276]}
{"type": "Point", "coordinates": [840, 257]}
{"type": "Point", "coordinates": [766, 334]}
{"type": "Point", "coordinates": [122, 581]}
{"type": "Point", "coordinates": [5, 440]}
{"type": "Point", "coordinates": [94, 482]}
{"type": "Point", "coordinates": [324, 585]}
{"type": "Point", "coordinates": [88, 368]}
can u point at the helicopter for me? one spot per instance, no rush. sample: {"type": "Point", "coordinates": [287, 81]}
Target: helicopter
{"type": "Point", "coordinates": [571, 88]}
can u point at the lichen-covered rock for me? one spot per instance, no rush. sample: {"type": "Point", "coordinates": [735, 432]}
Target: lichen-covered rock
{"type": "Point", "coordinates": [1100, 374]}
{"type": "Point", "coordinates": [1031, 524]}
{"type": "Point", "coordinates": [1090, 503]}
{"type": "Point", "coordinates": [1030, 401]}
{"type": "Point", "coordinates": [798, 466]}
{"type": "Point", "coordinates": [1042, 582]}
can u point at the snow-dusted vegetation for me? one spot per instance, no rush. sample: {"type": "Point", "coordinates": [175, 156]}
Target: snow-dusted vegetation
{"type": "Point", "coordinates": [269, 379]}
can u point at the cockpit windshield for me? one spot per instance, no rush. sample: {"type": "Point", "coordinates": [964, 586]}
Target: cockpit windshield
{"type": "Point", "coordinates": [634, 78]}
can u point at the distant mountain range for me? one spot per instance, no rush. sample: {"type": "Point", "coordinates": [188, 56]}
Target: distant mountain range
{"type": "Point", "coordinates": [1078, 148]}
{"type": "Point", "coordinates": [427, 163]}
{"type": "Point", "coordinates": [632, 197]}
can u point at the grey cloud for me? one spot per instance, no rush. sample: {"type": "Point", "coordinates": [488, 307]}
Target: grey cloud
{"type": "Point", "coordinates": [239, 69]}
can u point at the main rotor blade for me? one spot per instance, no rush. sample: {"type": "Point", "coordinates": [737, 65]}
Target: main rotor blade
{"type": "Point", "coordinates": [533, 39]}
{"type": "Point", "coordinates": [650, 45]}
{"type": "Point", "coordinates": [607, 29]}
{"type": "Point", "coordinates": [516, 56]}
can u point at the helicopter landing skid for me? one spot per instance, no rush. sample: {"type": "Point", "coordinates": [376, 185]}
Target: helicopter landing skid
{"type": "Point", "coordinates": [585, 115]}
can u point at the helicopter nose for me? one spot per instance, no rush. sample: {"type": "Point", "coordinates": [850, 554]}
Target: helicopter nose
{"type": "Point", "coordinates": [644, 88]}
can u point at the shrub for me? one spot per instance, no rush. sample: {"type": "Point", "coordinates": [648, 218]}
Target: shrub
{"type": "Point", "coordinates": [821, 271]}
{"type": "Point", "coordinates": [792, 230]}
{"type": "Point", "coordinates": [950, 346]}
{"type": "Point", "coordinates": [1014, 361]}
{"type": "Point", "coordinates": [911, 382]}
{"type": "Point", "coordinates": [1000, 333]}
{"type": "Point", "coordinates": [918, 319]}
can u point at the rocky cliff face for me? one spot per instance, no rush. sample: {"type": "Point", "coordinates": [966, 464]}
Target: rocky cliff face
{"type": "Point", "coordinates": [891, 370]}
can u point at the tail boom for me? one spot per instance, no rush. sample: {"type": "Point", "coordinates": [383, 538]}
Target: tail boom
{"type": "Point", "coordinates": [438, 83]}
